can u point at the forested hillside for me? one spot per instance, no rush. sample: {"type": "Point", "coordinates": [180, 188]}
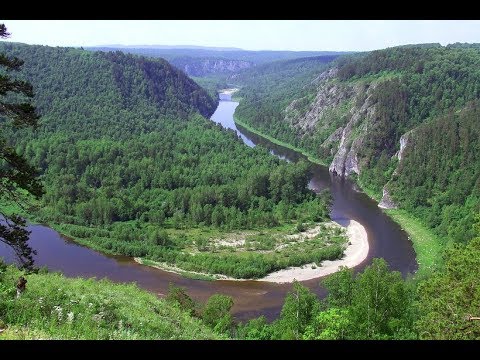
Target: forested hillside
{"type": "Point", "coordinates": [131, 167]}
{"type": "Point", "coordinates": [204, 62]}
{"type": "Point", "coordinates": [95, 93]}
{"type": "Point", "coordinates": [268, 89]}
{"type": "Point", "coordinates": [439, 179]}
{"type": "Point", "coordinates": [403, 120]}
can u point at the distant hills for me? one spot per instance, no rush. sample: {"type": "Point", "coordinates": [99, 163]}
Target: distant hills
{"type": "Point", "coordinates": [189, 47]}
{"type": "Point", "coordinates": [202, 61]}
{"type": "Point", "coordinates": [403, 121]}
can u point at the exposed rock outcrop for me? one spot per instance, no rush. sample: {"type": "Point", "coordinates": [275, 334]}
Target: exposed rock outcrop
{"type": "Point", "coordinates": [403, 145]}
{"type": "Point", "coordinates": [345, 161]}
{"type": "Point", "coordinates": [342, 113]}
{"type": "Point", "coordinates": [304, 115]}
{"type": "Point", "coordinates": [204, 66]}
{"type": "Point", "coordinates": [329, 96]}
{"type": "Point", "coordinates": [326, 75]}
{"type": "Point", "coordinates": [334, 137]}
{"type": "Point", "coordinates": [399, 154]}
{"type": "Point", "coordinates": [386, 202]}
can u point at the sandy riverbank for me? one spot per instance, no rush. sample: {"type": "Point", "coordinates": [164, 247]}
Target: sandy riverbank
{"type": "Point", "coordinates": [228, 91]}
{"type": "Point", "coordinates": [355, 253]}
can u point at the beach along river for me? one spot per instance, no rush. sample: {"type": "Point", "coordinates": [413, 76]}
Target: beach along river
{"type": "Point", "coordinates": [252, 298]}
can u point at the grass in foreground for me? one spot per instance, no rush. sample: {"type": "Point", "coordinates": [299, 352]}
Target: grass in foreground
{"type": "Point", "coordinates": [55, 307]}
{"type": "Point", "coordinates": [428, 246]}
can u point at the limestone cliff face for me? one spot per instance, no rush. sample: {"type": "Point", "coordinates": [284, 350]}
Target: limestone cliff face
{"type": "Point", "coordinates": [343, 112]}
{"type": "Point", "coordinates": [304, 115]}
{"type": "Point", "coordinates": [403, 145]}
{"type": "Point", "coordinates": [345, 161]}
{"type": "Point", "coordinates": [204, 66]}
{"type": "Point", "coordinates": [386, 202]}
{"type": "Point", "coordinates": [329, 96]}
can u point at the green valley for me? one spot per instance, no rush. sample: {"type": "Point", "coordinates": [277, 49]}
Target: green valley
{"type": "Point", "coordinates": [137, 172]}
{"type": "Point", "coordinates": [209, 192]}
{"type": "Point", "coordinates": [368, 115]}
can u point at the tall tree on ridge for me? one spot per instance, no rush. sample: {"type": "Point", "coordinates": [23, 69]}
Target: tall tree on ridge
{"type": "Point", "coordinates": [18, 180]}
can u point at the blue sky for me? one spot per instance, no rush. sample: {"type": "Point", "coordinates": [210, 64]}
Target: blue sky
{"type": "Point", "coordinates": [333, 35]}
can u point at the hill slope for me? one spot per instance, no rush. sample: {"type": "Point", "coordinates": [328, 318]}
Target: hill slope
{"type": "Point", "coordinates": [207, 62]}
{"type": "Point", "coordinates": [54, 307]}
{"type": "Point", "coordinates": [131, 167]}
{"type": "Point", "coordinates": [368, 116]}
{"type": "Point", "coordinates": [91, 92]}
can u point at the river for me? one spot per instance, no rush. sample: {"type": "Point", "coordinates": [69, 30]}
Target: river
{"type": "Point", "coordinates": [251, 298]}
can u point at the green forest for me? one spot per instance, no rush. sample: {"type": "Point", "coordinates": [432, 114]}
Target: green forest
{"type": "Point", "coordinates": [416, 88]}
{"type": "Point", "coordinates": [375, 304]}
{"type": "Point", "coordinates": [126, 162]}
{"type": "Point", "coordinates": [444, 189]}
{"type": "Point", "coordinates": [131, 167]}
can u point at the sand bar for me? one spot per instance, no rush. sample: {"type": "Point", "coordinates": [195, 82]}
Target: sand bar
{"type": "Point", "coordinates": [228, 91]}
{"type": "Point", "coordinates": [356, 252]}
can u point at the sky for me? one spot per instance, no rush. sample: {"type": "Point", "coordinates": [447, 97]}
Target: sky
{"type": "Point", "coordinates": [316, 35]}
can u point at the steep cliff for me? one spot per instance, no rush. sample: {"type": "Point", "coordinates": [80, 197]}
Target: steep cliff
{"type": "Point", "coordinates": [205, 66]}
{"type": "Point", "coordinates": [341, 114]}
{"type": "Point", "coordinates": [367, 116]}
{"type": "Point", "coordinates": [387, 202]}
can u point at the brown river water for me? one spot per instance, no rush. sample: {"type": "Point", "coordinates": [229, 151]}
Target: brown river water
{"type": "Point", "coordinates": [251, 298]}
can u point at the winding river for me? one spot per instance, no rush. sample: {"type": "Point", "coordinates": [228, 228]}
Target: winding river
{"type": "Point", "coordinates": [251, 298]}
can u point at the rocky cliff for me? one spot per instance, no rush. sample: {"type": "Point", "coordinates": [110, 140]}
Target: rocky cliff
{"type": "Point", "coordinates": [342, 113]}
{"type": "Point", "coordinates": [345, 161]}
{"type": "Point", "coordinates": [204, 66]}
{"type": "Point", "coordinates": [402, 121]}
{"type": "Point", "coordinates": [403, 145]}
{"type": "Point", "coordinates": [387, 202]}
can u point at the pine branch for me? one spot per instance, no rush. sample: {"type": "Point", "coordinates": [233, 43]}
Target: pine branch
{"type": "Point", "coordinates": [12, 64]}
{"type": "Point", "coordinates": [16, 174]}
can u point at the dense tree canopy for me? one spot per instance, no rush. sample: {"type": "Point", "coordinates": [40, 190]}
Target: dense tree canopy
{"type": "Point", "coordinates": [444, 189]}
{"type": "Point", "coordinates": [448, 300]}
{"type": "Point", "coordinates": [124, 152]}
{"type": "Point", "coordinates": [374, 304]}
{"type": "Point", "coordinates": [417, 89]}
